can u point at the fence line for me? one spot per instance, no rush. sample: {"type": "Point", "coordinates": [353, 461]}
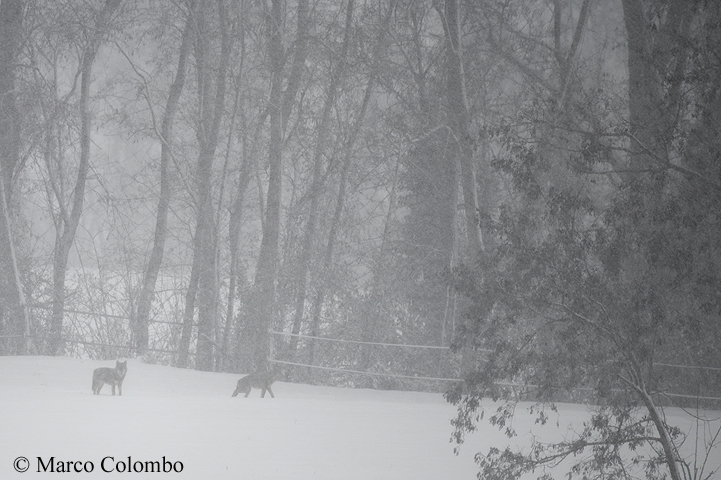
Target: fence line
{"type": "Point", "coordinates": [130, 347]}
{"type": "Point", "coordinates": [358, 342]}
{"type": "Point", "coordinates": [696, 367]}
{"type": "Point", "coordinates": [298, 335]}
{"type": "Point", "coordinates": [482, 350]}
{"type": "Point", "coordinates": [499, 384]}
{"type": "Point", "coordinates": [377, 374]}
{"type": "Point", "coordinates": [354, 342]}
{"type": "Point", "coordinates": [40, 306]}
{"type": "Point", "coordinates": [694, 397]}
{"type": "Point", "coordinates": [431, 347]}
{"type": "Point", "coordinates": [110, 315]}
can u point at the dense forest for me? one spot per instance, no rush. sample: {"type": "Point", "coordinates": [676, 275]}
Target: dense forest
{"type": "Point", "coordinates": [528, 188]}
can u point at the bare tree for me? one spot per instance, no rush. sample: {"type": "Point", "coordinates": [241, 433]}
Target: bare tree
{"type": "Point", "coordinates": [244, 177]}
{"type": "Point", "coordinates": [347, 152]}
{"type": "Point", "coordinates": [459, 121]}
{"type": "Point", "coordinates": [155, 261]}
{"type": "Point", "coordinates": [316, 186]}
{"type": "Point", "coordinates": [281, 102]}
{"type": "Point", "coordinates": [69, 218]}
{"type": "Point", "coordinates": [14, 316]}
{"type": "Point", "coordinates": [203, 278]}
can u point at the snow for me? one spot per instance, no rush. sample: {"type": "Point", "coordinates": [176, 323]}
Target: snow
{"type": "Point", "coordinates": [47, 410]}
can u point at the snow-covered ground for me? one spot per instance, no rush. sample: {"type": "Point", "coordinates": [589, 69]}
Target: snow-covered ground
{"type": "Point", "coordinates": [47, 410]}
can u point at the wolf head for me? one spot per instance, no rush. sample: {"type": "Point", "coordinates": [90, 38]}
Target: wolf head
{"type": "Point", "coordinates": [121, 367]}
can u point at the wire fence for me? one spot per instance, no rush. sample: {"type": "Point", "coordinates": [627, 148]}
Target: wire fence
{"type": "Point", "coordinates": [359, 363]}
{"type": "Point", "coordinates": [344, 361]}
{"type": "Point", "coordinates": [706, 386]}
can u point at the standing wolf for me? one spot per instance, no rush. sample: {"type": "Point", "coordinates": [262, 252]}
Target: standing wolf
{"type": "Point", "coordinates": [262, 380]}
{"type": "Point", "coordinates": [111, 376]}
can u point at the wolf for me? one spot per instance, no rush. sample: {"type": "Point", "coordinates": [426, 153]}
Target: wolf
{"type": "Point", "coordinates": [262, 380]}
{"type": "Point", "coordinates": [111, 376]}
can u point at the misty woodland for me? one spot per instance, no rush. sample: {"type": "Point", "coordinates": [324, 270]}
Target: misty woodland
{"type": "Point", "coordinates": [507, 199]}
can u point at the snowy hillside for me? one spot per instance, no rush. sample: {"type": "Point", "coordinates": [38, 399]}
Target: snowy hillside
{"type": "Point", "coordinates": [48, 410]}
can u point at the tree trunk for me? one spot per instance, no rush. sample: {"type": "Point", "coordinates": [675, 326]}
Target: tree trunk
{"type": "Point", "coordinates": [378, 290]}
{"type": "Point", "coordinates": [458, 118]}
{"type": "Point", "coordinates": [316, 183]}
{"type": "Point", "coordinates": [268, 258]}
{"type": "Point", "coordinates": [643, 88]}
{"type": "Point", "coordinates": [69, 221]}
{"type": "Point", "coordinates": [563, 58]}
{"type": "Point", "coordinates": [651, 117]}
{"type": "Point", "coordinates": [14, 316]}
{"type": "Point", "coordinates": [347, 156]}
{"type": "Point", "coordinates": [236, 216]}
{"type": "Point", "coordinates": [281, 104]}
{"type": "Point", "coordinates": [328, 255]}
{"type": "Point", "coordinates": [11, 14]}
{"type": "Point", "coordinates": [205, 241]}
{"type": "Point", "coordinates": [652, 121]}
{"type": "Point", "coordinates": [13, 294]}
{"type": "Point", "coordinates": [156, 257]}
{"type": "Point", "coordinates": [236, 211]}
{"type": "Point", "coordinates": [248, 168]}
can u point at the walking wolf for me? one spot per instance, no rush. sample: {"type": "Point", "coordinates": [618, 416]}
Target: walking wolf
{"type": "Point", "coordinates": [262, 380]}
